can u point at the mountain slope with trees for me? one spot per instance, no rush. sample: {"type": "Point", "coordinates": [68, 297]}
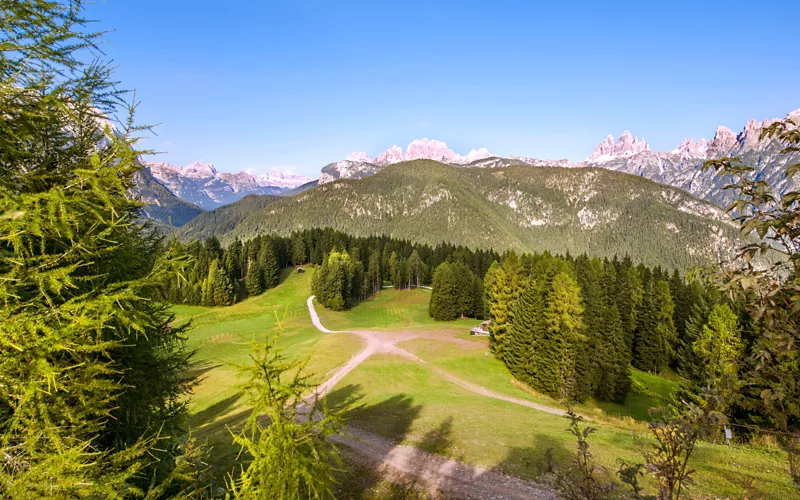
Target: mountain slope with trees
{"type": "Point", "coordinates": [554, 209]}
{"type": "Point", "coordinates": [224, 219]}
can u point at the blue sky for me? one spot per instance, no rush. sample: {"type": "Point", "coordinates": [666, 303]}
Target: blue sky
{"type": "Point", "coordinates": [297, 84]}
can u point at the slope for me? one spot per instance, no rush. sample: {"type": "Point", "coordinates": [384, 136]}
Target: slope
{"type": "Point", "coordinates": [160, 204]}
{"type": "Point", "coordinates": [224, 219]}
{"type": "Point", "coordinates": [553, 209]}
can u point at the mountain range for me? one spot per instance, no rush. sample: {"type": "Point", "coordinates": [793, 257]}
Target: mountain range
{"type": "Point", "coordinates": [204, 186]}
{"type": "Point", "coordinates": [520, 208]}
{"type": "Point", "coordinates": [680, 167]}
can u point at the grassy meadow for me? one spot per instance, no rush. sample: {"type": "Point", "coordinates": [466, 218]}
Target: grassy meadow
{"type": "Point", "coordinates": [411, 403]}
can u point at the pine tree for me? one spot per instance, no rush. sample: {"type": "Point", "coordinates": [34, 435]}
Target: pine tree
{"type": "Point", "coordinates": [507, 286]}
{"type": "Point", "coordinates": [415, 269]}
{"type": "Point", "coordinates": [688, 363]}
{"type": "Point", "coordinates": [298, 250]}
{"type": "Point", "coordinates": [444, 296]}
{"type": "Point", "coordinates": [269, 264]}
{"type": "Point", "coordinates": [394, 268]}
{"type": "Point", "coordinates": [374, 278]}
{"type": "Point", "coordinates": [254, 281]}
{"type": "Point", "coordinates": [719, 346]}
{"type": "Point", "coordinates": [654, 349]}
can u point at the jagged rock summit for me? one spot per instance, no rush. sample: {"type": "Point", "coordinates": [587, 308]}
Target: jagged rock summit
{"type": "Point", "coordinates": [358, 164]}
{"type": "Point", "coordinates": [680, 167]}
{"type": "Point", "coordinates": [206, 187]}
{"type": "Point", "coordinates": [420, 149]}
{"type": "Point", "coordinates": [626, 145]}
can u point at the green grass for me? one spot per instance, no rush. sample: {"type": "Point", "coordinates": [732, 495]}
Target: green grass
{"type": "Point", "coordinates": [393, 310]}
{"type": "Point", "coordinates": [410, 403]}
{"type": "Point", "coordinates": [221, 338]}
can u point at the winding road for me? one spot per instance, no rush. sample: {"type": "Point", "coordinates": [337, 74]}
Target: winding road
{"type": "Point", "coordinates": [449, 476]}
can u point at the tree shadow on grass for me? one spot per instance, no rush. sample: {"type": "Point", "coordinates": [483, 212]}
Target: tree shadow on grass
{"type": "Point", "coordinates": [536, 460]}
{"type": "Point", "coordinates": [198, 369]}
{"type": "Point", "coordinates": [364, 477]}
{"type": "Point", "coordinates": [220, 408]}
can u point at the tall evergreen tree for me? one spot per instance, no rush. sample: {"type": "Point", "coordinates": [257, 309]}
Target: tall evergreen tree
{"type": "Point", "coordinates": [221, 288]}
{"type": "Point", "coordinates": [654, 349]}
{"type": "Point", "coordinates": [80, 277]}
{"type": "Point", "coordinates": [526, 330]}
{"type": "Point", "coordinates": [268, 262]}
{"type": "Point", "coordinates": [556, 354]}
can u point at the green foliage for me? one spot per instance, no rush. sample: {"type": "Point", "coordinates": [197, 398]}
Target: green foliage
{"type": "Point", "coordinates": [719, 345]}
{"type": "Point", "coordinates": [579, 481]}
{"type": "Point", "coordinates": [288, 435]}
{"type": "Point", "coordinates": [675, 435]}
{"type": "Point", "coordinates": [557, 352]}
{"type": "Point", "coordinates": [92, 371]}
{"type": "Point", "coordinates": [223, 219]}
{"type": "Point", "coordinates": [457, 292]}
{"type": "Point", "coordinates": [656, 335]}
{"type": "Point", "coordinates": [771, 296]}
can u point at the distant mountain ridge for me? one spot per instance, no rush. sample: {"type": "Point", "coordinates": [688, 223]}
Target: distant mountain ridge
{"type": "Point", "coordinates": [203, 185]}
{"type": "Point", "coordinates": [680, 167]}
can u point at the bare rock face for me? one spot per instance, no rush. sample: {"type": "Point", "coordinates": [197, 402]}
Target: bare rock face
{"type": "Point", "coordinates": [626, 145]}
{"type": "Point", "coordinates": [683, 167]}
{"type": "Point", "coordinates": [208, 188]}
{"type": "Point", "coordinates": [357, 165]}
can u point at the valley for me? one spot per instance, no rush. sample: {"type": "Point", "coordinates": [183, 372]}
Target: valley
{"type": "Point", "coordinates": [407, 391]}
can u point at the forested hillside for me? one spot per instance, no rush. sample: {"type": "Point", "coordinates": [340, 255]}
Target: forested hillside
{"type": "Point", "coordinates": [224, 219]}
{"type": "Point", "coordinates": [525, 209]}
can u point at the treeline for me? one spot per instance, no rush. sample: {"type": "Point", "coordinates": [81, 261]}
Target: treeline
{"type": "Point", "coordinates": [571, 327]}
{"type": "Point", "coordinates": [350, 268]}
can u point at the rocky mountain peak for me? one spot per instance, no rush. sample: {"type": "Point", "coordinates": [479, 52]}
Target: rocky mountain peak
{"type": "Point", "coordinates": [692, 148]}
{"type": "Point", "coordinates": [626, 145]}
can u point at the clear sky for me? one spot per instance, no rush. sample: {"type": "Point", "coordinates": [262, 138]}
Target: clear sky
{"type": "Point", "coordinates": [298, 84]}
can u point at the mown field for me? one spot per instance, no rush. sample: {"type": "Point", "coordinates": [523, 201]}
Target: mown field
{"type": "Point", "coordinates": [411, 403]}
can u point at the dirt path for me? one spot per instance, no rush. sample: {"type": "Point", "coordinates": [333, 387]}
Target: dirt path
{"type": "Point", "coordinates": [385, 342]}
{"type": "Point", "coordinates": [445, 475]}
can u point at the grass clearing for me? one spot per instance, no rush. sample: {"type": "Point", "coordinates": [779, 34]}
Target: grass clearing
{"type": "Point", "coordinates": [390, 309]}
{"type": "Point", "coordinates": [221, 338]}
{"type": "Point", "coordinates": [412, 404]}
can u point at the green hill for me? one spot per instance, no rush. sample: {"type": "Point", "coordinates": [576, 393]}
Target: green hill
{"type": "Point", "coordinates": [522, 208]}
{"type": "Point", "coordinates": [224, 219]}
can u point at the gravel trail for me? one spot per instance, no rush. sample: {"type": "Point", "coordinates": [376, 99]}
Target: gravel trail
{"type": "Point", "coordinates": [449, 477]}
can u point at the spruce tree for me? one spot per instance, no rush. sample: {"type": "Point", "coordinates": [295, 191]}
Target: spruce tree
{"type": "Point", "coordinates": [374, 278]}
{"type": "Point", "coordinates": [444, 297]}
{"type": "Point", "coordinates": [269, 264]}
{"type": "Point", "coordinates": [654, 349]}
{"type": "Point", "coordinates": [555, 355]}
{"type": "Point", "coordinates": [254, 281]}
{"type": "Point", "coordinates": [221, 288]}
{"type": "Point", "coordinates": [298, 250]}
{"type": "Point", "coordinates": [524, 333]}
